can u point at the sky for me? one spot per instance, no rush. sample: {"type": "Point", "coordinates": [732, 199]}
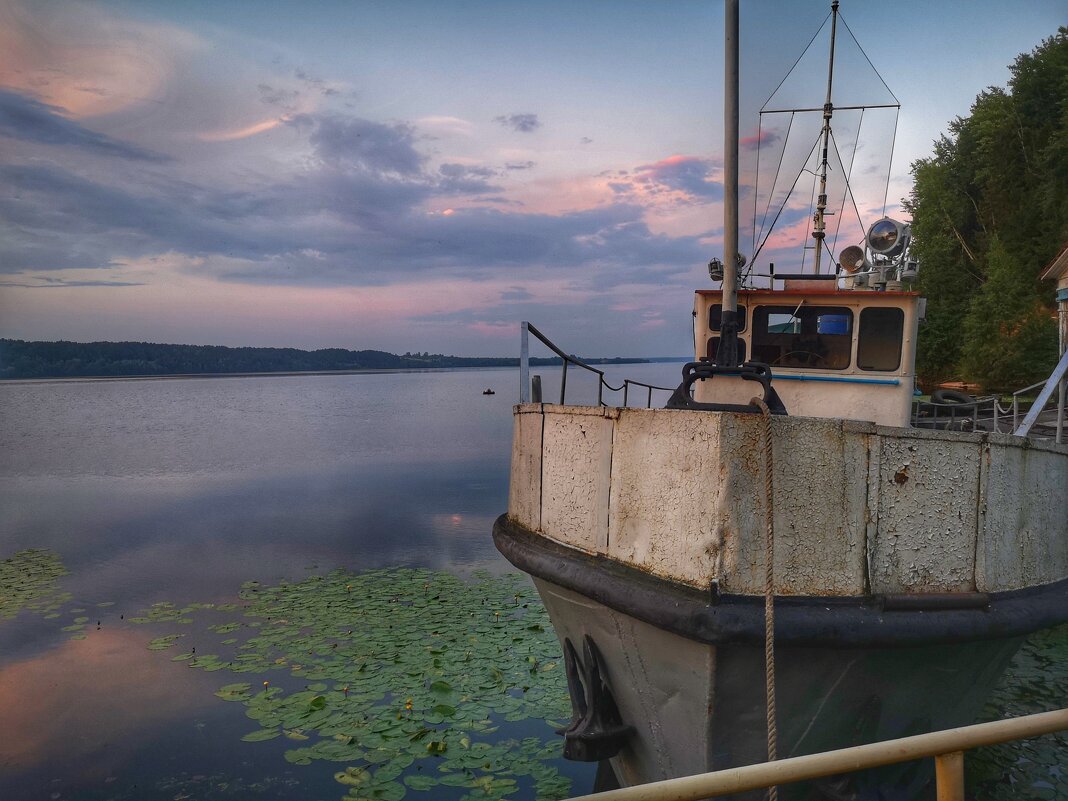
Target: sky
{"type": "Point", "coordinates": [406, 175]}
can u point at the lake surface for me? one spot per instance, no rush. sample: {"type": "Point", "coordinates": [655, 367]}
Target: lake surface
{"type": "Point", "coordinates": [182, 491]}
{"type": "Point", "coordinates": [163, 513]}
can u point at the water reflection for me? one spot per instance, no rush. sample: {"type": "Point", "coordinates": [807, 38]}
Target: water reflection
{"type": "Point", "coordinates": [182, 490]}
{"type": "Point", "coordinates": [86, 702]}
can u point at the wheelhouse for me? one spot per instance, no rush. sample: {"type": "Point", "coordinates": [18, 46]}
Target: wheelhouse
{"type": "Point", "coordinates": [833, 352]}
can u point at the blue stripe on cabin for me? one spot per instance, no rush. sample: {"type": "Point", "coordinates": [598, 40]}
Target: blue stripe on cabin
{"type": "Point", "coordinates": [837, 379]}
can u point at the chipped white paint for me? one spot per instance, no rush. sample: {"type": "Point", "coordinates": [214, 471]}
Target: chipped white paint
{"type": "Point", "coordinates": [576, 468]}
{"type": "Point", "coordinates": [524, 494]}
{"type": "Point", "coordinates": [660, 505]}
{"type": "Point", "coordinates": [858, 508]}
{"type": "Point", "coordinates": [1022, 524]}
{"type": "Point", "coordinates": [927, 512]}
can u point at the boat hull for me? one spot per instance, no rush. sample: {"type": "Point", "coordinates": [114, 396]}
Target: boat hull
{"type": "Point", "coordinates": [697, 707]}
{"type": "Point", "coordinates": [686, 669]}
{"type": "Point", "coordinates": [907, 566]}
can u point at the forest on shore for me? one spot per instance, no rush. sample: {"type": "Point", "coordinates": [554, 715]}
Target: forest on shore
{"type": "Point", "coordinates": [21, 360]}
{"type": "Point", "coordinates": [990, 213]}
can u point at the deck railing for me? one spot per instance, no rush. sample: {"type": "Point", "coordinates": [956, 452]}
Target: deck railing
{"type": "Point", "coordinates": [1057, 381]}
{"type": "Point", "coordinates": [527, 392]}
{"type": "Point", "coordinates": [947, 747]}
{"type": "Point", "coordinates": [974, 416]}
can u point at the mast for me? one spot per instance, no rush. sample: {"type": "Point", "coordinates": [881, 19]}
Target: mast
{"type": "Point", "coordinates": [819, 224]}
{"type": "Point", "coordinates": [727, 354]}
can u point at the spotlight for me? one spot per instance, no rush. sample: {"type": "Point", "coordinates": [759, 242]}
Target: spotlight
{"type": "Point", "coordinates": [887, 237]}
{"type": "Point", "coordinates": [715, 270]}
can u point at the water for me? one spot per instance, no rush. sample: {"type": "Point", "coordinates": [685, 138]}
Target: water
{"type": "Point", "coordinates": [181, 490]}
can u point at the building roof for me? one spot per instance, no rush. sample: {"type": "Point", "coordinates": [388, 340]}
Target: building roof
{"type": "Point", "coordinates": [1058, 268]}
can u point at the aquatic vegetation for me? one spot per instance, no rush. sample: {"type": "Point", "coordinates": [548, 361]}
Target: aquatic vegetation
{"type": "Point", "coordinates": [1036, 681]}
{"type": "Point", "coordinates": [30, 580]}
{"type": "Point", "coordinates": [416, 681]}
{"type": "Point", "coordinates": [405, 677]}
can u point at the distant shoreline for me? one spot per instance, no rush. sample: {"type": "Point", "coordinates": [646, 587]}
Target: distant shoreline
{"type": "Point", "coordinates": [41, 361]}
{"type": "Point", "coordinates": [269, 374]}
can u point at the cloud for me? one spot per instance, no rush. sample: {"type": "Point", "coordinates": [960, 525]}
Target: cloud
{"type": "Point", "coordinates": [372, 146]}
{"type": "Point", "coordinates": [244, 132]}
{"type": "Point", "coordinates": [516, 293]}
{"type": "Point", "coordinates": [318, 85]}
{"type": "Point", "coordinates": [464, 178]}
{"type": "Point", "coordinates": [27, 119]}
{"type": "Point", "coordinates": [687, 174]}
{"type": "Point", "coordinates": [444, 126]}
{"type": "Point", "coordinates": [285, 99]}
{"type": "Point", "coordinates": [520, 165]}
{"type": "Point", "coordinates": [757, 140]}
{"type": "Point", "coordinates": [358, 213]}
{"type": "Point", "coordinates": [46, 282]}
{"type": "Point", "coordinates": [85, 59]}
{"type": "Point", "coordinates": [523, 123]}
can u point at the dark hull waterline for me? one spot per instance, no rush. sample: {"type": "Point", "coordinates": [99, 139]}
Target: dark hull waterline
{"type": "Point", "coordinates": [881, 621]}
{"type": "Point", "coordinates": [686, 668]}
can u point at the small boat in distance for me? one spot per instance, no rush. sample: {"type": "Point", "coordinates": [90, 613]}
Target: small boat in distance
{"type": "Point", "coordinates": [782, 503]}
{"type": "Point", "coordinates": [488, 392]}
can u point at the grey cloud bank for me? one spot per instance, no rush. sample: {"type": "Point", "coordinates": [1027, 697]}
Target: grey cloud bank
{"type": "Point", "coordinates": [357, 214]}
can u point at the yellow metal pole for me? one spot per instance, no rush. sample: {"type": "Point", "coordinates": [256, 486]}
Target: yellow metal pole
{"type": "Point", "coordinates": [949, 776]}
{"type": "Point", "coordinates": [846, 760]}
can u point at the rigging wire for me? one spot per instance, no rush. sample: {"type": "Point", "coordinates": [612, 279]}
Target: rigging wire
{"type": "Point", "coordinates": [756, 181]}
{"type": "Point", "coordinates": [890, 165]}
{"type": "Point", "coordinates": [811, 203]}
{"type": "Point", "coordinates": [854, 38]}
{"type": "Point", "coordinates": [798, 61]}
{"type": "Point", "coordinates": [847, 191]}
{"type": "Point", "coordinates": [786, 199]}
{"type": "Point", "coordinates": [775, 181]}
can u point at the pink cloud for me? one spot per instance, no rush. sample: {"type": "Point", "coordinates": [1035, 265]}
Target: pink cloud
{"type": "Point", "coordinates": [756, 140]}
{"type": "Point", "coordinates": [688, 177]}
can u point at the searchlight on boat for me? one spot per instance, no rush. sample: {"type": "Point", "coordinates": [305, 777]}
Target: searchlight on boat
{"type": "Point", "coordinates": [883, 260]}
{"type": "Point", "coordinates": [852, 259]}
{"type": "Point", "coordinates": [888, 237]}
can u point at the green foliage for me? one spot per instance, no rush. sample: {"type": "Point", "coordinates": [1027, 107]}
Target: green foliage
{"type": "Point", "coordinates": [30, 580]}
{"type": "Point", "coordinates": [990, 211]}
{"type": "Point", "coordinates": [1010, 340]}
{"type": "Point", "coordinates": [404, 675]}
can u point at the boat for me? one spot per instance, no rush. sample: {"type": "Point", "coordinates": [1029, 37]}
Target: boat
{"type": "Point", "coordinates": [488, 392]}
{"type": "Point", "coordinates": [778, 563]}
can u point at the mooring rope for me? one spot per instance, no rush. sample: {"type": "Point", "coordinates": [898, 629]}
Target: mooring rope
{"type": "Point", "coordinates": [769, 594]}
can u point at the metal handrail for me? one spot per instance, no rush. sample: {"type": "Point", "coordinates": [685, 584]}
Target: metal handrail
{"type": "Point", "coordinates": [949, 415]}
{"type": "Point", "coordinates": [1016, 402]}
{"type": "Point", "coordinates": [947, 747]}
{"type": "Point", "coordinates": [1056, 381]}
{"type": "Point", "coordinates": [524, 371]}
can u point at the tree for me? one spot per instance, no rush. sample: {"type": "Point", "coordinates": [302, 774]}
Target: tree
{"type": "Point", "coordinates": [990, 209]}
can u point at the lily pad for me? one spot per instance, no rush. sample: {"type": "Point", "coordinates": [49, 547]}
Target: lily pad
{"type": "Point", "coordinates": [391, 671]}
{"type": "Point", "coordinates": [262, 734]}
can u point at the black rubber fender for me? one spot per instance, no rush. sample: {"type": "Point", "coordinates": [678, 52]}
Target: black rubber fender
{"type": "Point", "coordinates": [951, 396]}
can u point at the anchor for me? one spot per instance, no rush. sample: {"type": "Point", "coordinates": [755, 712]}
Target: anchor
{"type": "Point", "coordinates": [596, 731]}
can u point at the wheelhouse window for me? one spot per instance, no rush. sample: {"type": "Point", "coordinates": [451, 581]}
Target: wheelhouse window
{"type": "Point", "coordinates": [879, 339]}
{"type": "Point", "coordinates": [713, 347]}
{"type": "Point", "coordinates": [715, 317]}
{"type": "Point", "coordinates": [815, 337]}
